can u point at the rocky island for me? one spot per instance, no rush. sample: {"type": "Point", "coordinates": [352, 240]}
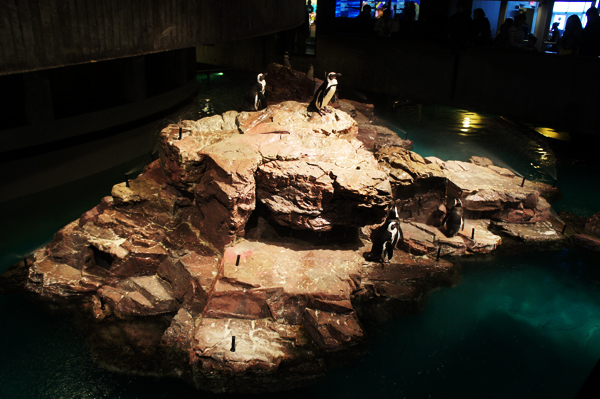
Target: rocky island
{"type": "Point", "coordinates": [236, 261]}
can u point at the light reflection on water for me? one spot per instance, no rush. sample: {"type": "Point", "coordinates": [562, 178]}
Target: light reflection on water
{"type": "Point", "coordinates": [454, 134]}
{"type": "Point", "coordinates": [518, 326]}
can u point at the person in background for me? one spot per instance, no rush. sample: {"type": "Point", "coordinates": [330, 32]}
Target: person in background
{"type": "Point", "coordinates": [589, 45]}
{"type": "Point", "coordinates": [383, 26]}
{"type": "Point", "coordinates": [502, 36]}
{"type": "Point", "coordinates": [481, 33]}
{"type": "Point", "coordinates": [516, 35]}
{"type": "Point", "coordinates": [459, 26]}
{"type": "Point", "coordinates": [568, 44]}
{"type": "Point", "coordinates": [364, 23]}
{"type": "Point", "coordinates": [555, 34]}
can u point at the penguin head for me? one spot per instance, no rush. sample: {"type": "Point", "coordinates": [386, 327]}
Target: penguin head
{"type": "Point", "coordinates": [457, 202]}
{"type": "Point", "coordinates": [261, 77]}
{"type": "Point", "coordinates": [332, 77]}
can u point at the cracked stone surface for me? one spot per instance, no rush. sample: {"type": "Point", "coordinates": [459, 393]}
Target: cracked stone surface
{"type": "Point", "coordinates": [235, 261]}
{"type": "Point", "coordinates": [309, 171]}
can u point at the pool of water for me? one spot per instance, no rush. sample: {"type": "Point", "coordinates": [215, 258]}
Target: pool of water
{"type": "Point", "coordinates": [523, 325]}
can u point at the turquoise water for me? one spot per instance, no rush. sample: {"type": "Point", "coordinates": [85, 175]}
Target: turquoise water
{"type": "Point", "coordinates": [524, 326]}
{"type": "Point", "coordinates": [518, 325]}
{"type": "Point", "coordinates": [457, 134]}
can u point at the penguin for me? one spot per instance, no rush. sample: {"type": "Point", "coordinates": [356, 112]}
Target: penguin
{"type": "Point", "coordinates": [324, 94]}
{"type": "Point", "coordinates": [255, 100]}
{"type": "Point", "coordinates": [311, 72]}
{"type": "Point", "coordinates": [286, 60]}
{"type": "Point", "coordinates": [385, 239]}
{"type": "Point", "coordinates": [454, 221]}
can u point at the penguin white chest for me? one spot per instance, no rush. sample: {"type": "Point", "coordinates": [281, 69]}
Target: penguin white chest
{"type": "Point", "coordinates": [329, 95]}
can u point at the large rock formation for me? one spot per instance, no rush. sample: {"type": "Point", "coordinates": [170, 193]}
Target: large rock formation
{"type": "Point", "coordinates": [235, 261]}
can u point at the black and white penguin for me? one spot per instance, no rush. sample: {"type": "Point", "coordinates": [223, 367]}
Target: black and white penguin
{"type": "Point", "coordinates": [385, 239]}
{"type": "Point", "coordinates": [324, 94]}
{"type": "Point", "coordinates": [255, 100]}
{"type": "Point", "coordinates": [454, 221]}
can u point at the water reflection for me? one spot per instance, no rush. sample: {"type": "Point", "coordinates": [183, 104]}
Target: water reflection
{"type": "Point", "coordinates": [454, 134]}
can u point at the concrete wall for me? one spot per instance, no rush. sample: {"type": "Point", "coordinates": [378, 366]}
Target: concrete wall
{"type": "Point", "coordinates": [39, 34]}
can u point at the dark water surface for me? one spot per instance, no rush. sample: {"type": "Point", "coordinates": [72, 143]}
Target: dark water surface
{"type": "Point", "coordinates": [523, 325]}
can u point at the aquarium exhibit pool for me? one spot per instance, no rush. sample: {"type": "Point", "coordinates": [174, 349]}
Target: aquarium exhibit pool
{"type": "Point", "coordinates": [519, 325]}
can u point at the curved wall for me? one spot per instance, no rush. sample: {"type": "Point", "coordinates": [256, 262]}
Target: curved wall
{"type": "Point", "coordinates": [39, 34]}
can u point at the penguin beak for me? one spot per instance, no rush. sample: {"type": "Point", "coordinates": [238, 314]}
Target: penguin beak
{"type": "Point", "coordinates": [337, 75]}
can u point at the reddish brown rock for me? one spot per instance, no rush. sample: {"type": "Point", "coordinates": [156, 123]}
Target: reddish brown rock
{"type": "Point", "coordinates": [419, 186]}
{"type": "Point", "coordinates": [593, 223]}
{"type": "Point", "coordinates": [401, 287]}
{"type": "Point", "coordinates": [286, 84]}
{"type": "Point", "coordinates": [191, 277]}
{"type": "Point", "coordinates": [335, 182]}
{"type": "Point", "coordinates": [488, 194]}
{"type": "Point", "coordinates": [587, 242]}
{"type": "Point", "coordinates": [308, 177]}
{"type": "Point", "coordinates": [180, 159]}
{"type": "Point", "coordinates": [139, 296]}
{"type": "Point", "coordinates": [535, 232]}
{"type": "Point", "coordinates": [51, 279]}
{"type": "Point", "coordinates": [477, 236]}
{"type": "Point", "coordinates": [333, 331]}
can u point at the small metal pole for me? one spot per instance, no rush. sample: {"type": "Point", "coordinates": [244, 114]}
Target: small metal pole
{"type": "Point", "coordinates": [523, 182]}
{"type": "Point", "coordinates": [405, 135]}
{"type": "Point", "coordinates": [126, 180]}
{"type": "Point", "coordinates": [232, 344]}
{"type": "Point", "coordinates": [438, 254]}
{"type": "Point", "coordinates": [554, 184]}
{"type": "Point", "coordinates": [473, 234]}
{"type": "Point", "coordinates": [564, 229]}
{"type": "Point", "coordinates": [237, 261]}
{"type": "Point", "coordinates": [180, 132]}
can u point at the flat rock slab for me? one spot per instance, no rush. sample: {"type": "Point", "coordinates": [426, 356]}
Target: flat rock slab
{"type": "Point", "coordinates": [139, 296]}
{"type": "Point", "coordinates": [538, 232]}
{"type": "Point", "coordinates": [495, 192]}
{"type": "Point", "coordinates": [282, 282]}
{"type": "Point", "coordinates": [401, 286]}
{"type": "Point", "coordinates": [423, 239]}
{"type": "Point", "coordinates": [587, 242]}
{"type": "Point", "coordinates": [477, 236]}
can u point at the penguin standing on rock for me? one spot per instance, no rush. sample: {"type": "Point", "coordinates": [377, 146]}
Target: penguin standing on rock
{"type": "Point", "coordinates": [385, 239]}
{"type": "Point", "coordinates": [311, 72]}
{"type": "Point", "coordinates": [454, 220]}
{"type": "Point", "coordinates": [324, 94]}
{"type": "Point", "coordinates": [255, 100]}
{"type": "Point", "coordinates": [286, 60]}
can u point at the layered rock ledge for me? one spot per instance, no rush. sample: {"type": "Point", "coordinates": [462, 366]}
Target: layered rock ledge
{"type": "Point", "coordinates": [236, 261]}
